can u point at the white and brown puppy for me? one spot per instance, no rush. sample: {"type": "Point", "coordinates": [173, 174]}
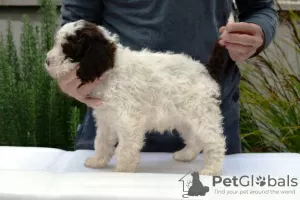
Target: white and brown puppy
{"type": "Point", "coordinates": [144, 91]}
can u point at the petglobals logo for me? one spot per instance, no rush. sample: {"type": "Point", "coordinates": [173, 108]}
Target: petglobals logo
{"type": "Point", "coordinates": [252, 185]}
{"type": "Point", "coordinates": [199, 187]}
{"type": "Point", "coordinates": [252, 181]}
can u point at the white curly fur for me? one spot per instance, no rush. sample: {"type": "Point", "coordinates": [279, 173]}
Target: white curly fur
{"type": "Point", "coordinates": [150, 91]}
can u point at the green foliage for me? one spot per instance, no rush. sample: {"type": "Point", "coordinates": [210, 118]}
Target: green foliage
{"type": "Point", "coordinates": [48, 26]}
{"type": "Point", "coordinates": [33, 110]}
{"type": "Point", "coordinates": [270, 93]}
{"type": "Point", "coordinates": [7, 91]}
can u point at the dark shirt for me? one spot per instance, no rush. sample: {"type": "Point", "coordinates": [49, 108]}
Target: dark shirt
{"type": "Point", "coordinates": [189, 26]}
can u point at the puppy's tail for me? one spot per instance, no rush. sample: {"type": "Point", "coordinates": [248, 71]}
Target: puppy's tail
{"type": "Point", "coordinates": [219, 61]}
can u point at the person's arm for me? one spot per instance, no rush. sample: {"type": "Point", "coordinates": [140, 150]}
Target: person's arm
{"type": "Point", "coordinates": [262, 13]}
{"type": "Point", "coordinates": [73, 10]}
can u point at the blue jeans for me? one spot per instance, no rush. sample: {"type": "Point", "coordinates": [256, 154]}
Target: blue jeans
{"type": "Point", "coordinates": [167, 142]}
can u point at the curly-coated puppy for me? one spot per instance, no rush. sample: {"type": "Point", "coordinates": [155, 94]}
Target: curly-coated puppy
{"type": "Point", "coordinates": [144, 91]}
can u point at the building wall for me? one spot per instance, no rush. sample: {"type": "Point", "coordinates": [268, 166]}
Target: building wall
{"type": "Point", "coordinates": [15, 15]}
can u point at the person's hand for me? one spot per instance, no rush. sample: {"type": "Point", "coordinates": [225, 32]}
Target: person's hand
{"type": "Point", "coordinates": [241, 39]}
{"type": "Point", "coordinates": [69, 85]}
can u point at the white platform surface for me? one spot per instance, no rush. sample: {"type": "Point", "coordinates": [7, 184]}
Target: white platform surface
{"type": "Point", "coordinates": [45, 173]}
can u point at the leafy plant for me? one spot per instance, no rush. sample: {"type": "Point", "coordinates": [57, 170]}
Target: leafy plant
{"type": "Point", "coordinates": [270, 95]}
{"type": "Point", "coordinates": [33, 110]}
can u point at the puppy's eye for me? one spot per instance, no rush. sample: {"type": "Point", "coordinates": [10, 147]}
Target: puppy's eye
{"type": "Point", "coordinates": [47, 61]}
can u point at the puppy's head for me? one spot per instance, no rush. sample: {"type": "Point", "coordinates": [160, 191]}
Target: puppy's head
{"type": "Point", "coordinates": [83, 44]}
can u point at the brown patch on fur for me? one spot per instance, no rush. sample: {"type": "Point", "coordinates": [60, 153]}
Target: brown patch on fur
{"type": "Point", "coordinates": [219, 62]}
{"type": "Point", "coordinates": [94, 53]}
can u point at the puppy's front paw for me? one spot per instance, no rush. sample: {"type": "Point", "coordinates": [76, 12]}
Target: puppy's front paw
{"type": "Point", "coordinates": [96, 163]}
{"type": "Point", "coordinates": [210, 172]}
{"type": "Point", "coordinates": [125, 169]}
{"type": "Point", "coordinates": [185, 155]}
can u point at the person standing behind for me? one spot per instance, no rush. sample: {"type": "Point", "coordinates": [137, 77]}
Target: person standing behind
{"type": "Point", "coordinates": [191, 27]}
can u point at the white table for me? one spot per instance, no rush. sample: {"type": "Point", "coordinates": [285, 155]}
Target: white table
{"type": "Point", "coordinates": [45, 173]}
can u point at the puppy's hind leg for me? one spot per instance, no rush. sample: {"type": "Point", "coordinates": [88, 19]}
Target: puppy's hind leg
{"type": "Point", "coordinates": [192, 147]}
{"type": "Point", "coordinates": [105, 142]}
{"type": "Point", "coordinates": [208, 129]}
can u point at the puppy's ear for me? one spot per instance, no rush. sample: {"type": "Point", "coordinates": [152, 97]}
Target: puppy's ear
{"type": "Point", "coordinates": [97, 59]}
{"type": "Point", "coordinates": [94, 53]}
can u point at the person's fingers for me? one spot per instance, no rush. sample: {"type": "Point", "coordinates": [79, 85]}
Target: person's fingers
{"type": "Point", "coordinates": [70, 87]}
{"type": "Point", "coordinates": [88, 88]}
{"type": "Point", "coordinates": [89, 101]}
{"type": "Point", "coordinates": [93, 102]}
{"type": "Point", "coordinates": [70, 83]}
{"type": "Point", "coordinates": [243, 27]}
{"type": "Point", "coordinates": [238, 48]}
{"type": "Point", "coordinates": [222, 29]}
{"type": "Point", "coordinates": [239, 57]}
{"type": "Point", "coordinates": [242, 39]}
{"type": "Point", "coordinates": [221, 42]}
{"type": "Point", "coordinates": [234, 55]}
{"type": "Point", "coordinates": [67, 78]}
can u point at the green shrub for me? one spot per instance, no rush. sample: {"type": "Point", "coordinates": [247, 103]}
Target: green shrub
{"type": "Point", "coordinates": [33, 110]}
{"type": "Point", "coordinates": [270, 96]}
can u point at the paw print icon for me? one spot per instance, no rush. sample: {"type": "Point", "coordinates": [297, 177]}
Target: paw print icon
{"type": "Point", "coordinates": [261, 181]}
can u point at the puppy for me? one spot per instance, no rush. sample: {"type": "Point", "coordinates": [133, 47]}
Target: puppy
{"type": "Point", "coordinates": [144, 91]}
